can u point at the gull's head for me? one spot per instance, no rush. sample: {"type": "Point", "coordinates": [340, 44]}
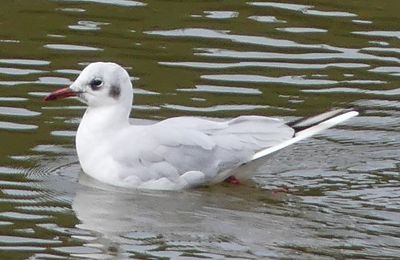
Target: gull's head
{"type": "Point", "coordinates": [99, 84]}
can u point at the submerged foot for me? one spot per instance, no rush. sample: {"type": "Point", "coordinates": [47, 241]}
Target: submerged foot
{"type": "Point", "coordinates": [232, 180]}
{"type": "Point", "coordinates": [282, 189]}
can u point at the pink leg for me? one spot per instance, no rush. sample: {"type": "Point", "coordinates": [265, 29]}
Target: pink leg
{"type": "Point", "coordinates": [232, 180]}
{"type": "Point", "coordinates": [280, 190]}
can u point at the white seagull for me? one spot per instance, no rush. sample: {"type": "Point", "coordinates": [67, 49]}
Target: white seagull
{"type": "Point", "coordinates": [175, 153]}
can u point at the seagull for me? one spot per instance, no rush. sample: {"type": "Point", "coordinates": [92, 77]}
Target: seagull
{"type": "Point", "coordinates": [175, 153]}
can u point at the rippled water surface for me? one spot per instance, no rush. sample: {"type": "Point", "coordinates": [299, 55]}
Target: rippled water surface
{"type": "Point", "coordinates": [216, 59]}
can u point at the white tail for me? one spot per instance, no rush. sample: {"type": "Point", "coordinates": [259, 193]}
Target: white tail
{"type": "Point", "coordinates": [307, 132]}
{"type": "Point", "coordinates": [304, 128]}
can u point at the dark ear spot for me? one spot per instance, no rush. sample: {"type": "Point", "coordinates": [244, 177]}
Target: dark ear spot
{"type": "Point", "coordinates": [115, 92]}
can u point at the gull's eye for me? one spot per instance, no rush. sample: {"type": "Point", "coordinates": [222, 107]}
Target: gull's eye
{"type": "Point", "coordinates": [95, 84]}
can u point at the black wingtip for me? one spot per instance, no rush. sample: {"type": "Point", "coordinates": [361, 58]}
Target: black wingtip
{"type": "Point", "coordinates": [304, 123]}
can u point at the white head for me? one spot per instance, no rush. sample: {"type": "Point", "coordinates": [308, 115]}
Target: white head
{"type": "Point", "coordinates": [100, 84]}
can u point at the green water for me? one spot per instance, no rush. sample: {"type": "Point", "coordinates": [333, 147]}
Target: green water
{"type": "Point", "coordinates": [216, 59]}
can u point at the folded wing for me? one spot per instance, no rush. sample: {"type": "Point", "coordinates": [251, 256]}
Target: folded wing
{"type": "Point", "coordinates": [176, 146]}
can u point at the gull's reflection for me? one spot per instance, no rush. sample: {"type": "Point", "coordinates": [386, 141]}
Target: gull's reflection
{"type": "Point", "coordinates": [217, 217]}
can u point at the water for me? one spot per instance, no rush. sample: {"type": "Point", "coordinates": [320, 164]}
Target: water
{"type": "Point", "coordinates": [217, 59]}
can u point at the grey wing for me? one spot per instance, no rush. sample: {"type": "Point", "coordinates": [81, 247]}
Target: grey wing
{"type": "Point", "coordinates": [177, 146]}
{"type": "Point", "coordinates": [195, 144]}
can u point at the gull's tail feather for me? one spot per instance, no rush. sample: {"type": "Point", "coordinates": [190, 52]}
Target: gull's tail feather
{"type": "Point", "coordinates": [310, 126]}
{"type": "Point", "coordinates": [304, 123]}
{"type": "Point", "coordinates": [304, 128]}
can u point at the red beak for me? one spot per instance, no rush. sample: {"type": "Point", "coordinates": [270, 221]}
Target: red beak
{"type": "Point", "coordinates": [60, 94]}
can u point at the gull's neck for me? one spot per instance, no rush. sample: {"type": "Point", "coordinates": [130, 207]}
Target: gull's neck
{"type": "Point", "coordinates": [99, 126]}
{"type": "Point", "coordinates": [102, 119]}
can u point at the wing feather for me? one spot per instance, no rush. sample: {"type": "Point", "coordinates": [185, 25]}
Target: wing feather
{"type": "Point", "coordinates": [175, 146]}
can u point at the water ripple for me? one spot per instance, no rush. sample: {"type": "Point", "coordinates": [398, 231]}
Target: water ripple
{"type": "Point", "coordinates": [23, 216]}
{"type": "Point", "coordinates": [15, 111]}
{"type": "Point", "coordinates": [246, 64]}
{"type": "Point", "coordinates": [12, 99]}
{"type": "Point", "coordinates": [221, 14]}
{"type": "Point", "coordinates": [26, 240]}
{"type": "Point", "coordinates": [390, 34]}
{"type": "Point", "coordinates": [389, 92]}
{"type": "Point", "coordinates": [222, 89]}
{"type": "Point", "coordinates": [14, 71]}
{"type": "Point", "coordinates": [25, 62]}
{"type": "Point", "coordinates": [16, 126]}
{"type": "Point", "coordinates": [224, 35]}
{"type": "Point", "coordinates": [71, 47]}
{"type": "Point", "coordinates": [124, 3]}
{"type": "Point", "coordinates": [87, 26]}
{"type": "Point", "coordinates": [346, 54]}
{"type": "Point", "coordinates": [266, 19]}
{"type": "Point", "coordinates": [294, 80]}
{"type": "Point", "coordinates": [305, 9]}
{"type": "Point", "coordinates": [302, 30]}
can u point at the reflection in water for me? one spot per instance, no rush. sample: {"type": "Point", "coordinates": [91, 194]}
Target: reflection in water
{"type": "Point", "coordinates": [344, 54]}
{"type": "Point", "coordinates": [87, 26]}
{"type": "Point", "coordinates": [70, 47]}
{"type": "Point", "coordinates": [200, 222]}
{"type": "Point", "coordinates": [304, 9]}
{"type": "Point", "coordinates": [126, 3]}
{"type": "Point", "coordinates": [215, 59]}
